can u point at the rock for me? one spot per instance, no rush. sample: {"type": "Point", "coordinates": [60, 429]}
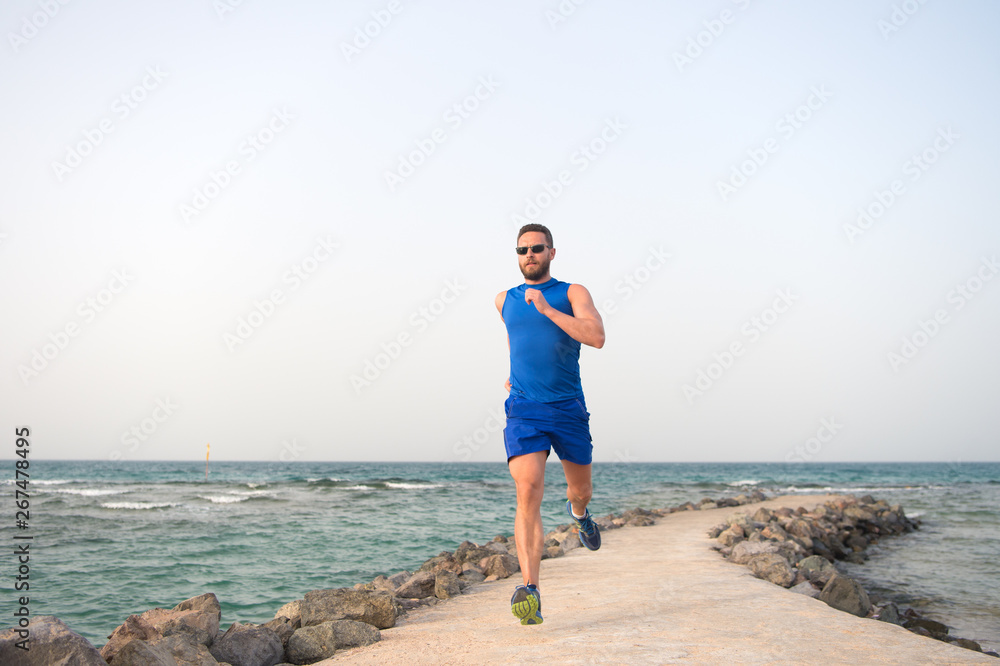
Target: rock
{"type": "Point", "coordinates": [774, 531]}
{"type": "Point", "coordinates": [762, 515]}
{"type": "Point", "coordinates": [185, 652]}
{"type": "Point", "coordinates": [470, 552]}
{"type": "Point", "coordinates": [50, 641]}
{"type": "Point", "coordinates": [445, 585]}
{"type": "Point", "coordinates": [419, 586]}
{"type": "Point", "coordinates": [801, 528]}
{"type": "Point", "coordinates": [741, 519]}
{"type": "Point", "coordinates": [889, 613]}
{"type": "Point", "coordinates": [283, 627]}
{"type": "Point", "coordinates": [571, 543]}
{"type": "Point", "coordinates": [708, 505]}
{"type": "Point", "coordinates": [472, 576]}
{"type": "Point", "coordinates": [134, 626]}
{"type": "Point", "coordinates": [805, 588]}
{"type": "Point", "coordinates": [378, 609]}
{"type": "Point", "coordinates": [859, 514]}
{"type": "Point", "coordinates": [248, 645]}
{"type": "Point", "coordinates": [731, 536]}
{"type": "Point", "coordinates": [552, 551]}
{"type": "Point", "coordinates": [501, 566]}
{"type": "Point", "coordinates": [744, 550]}
{"type": "Point", "coordinates": [317, 642]}
{"type": "Point", "coordinates": [936, 629]}
{"type": "Point", "coordinates": [291, 610]}
{"type": "Point", "coordinates": [817, 569]}
{"type": "Point", "coordinates": [136, 652]}
{"type": "Point", "coordinates": [445, 562]}
{"type": "Point", "coordinates": [967, 644]}
{"type": "Point", "coordinates": [772, 568]}
{"type": "Point", "coordinates": [715, 531]}
{"type": "Point", "coordinates": [846, 594]}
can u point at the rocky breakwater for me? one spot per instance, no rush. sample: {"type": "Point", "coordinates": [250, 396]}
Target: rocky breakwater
{"type": "Point", "coordinates": [798, 549]}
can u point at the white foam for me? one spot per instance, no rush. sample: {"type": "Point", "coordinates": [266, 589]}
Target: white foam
{"type": "Point", "coordinates": [137, 505]}
{"type": "Point", "coordinates": [744, 482]}
{"type": "Point", "coordinates": [411, 486]}
{"type": "Point", "coordinates": [90, 492]}
{"type": "Point", "coordinates": [223, 499]}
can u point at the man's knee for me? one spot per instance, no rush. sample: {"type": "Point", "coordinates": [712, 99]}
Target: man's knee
{"type": "Point", "coordinates": [581, 492]}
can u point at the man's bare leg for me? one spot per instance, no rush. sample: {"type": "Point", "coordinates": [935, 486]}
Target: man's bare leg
{"type": "Point", "coordinates": [578, 486]}
{"type": "Point", "coordinates": [528, 471]}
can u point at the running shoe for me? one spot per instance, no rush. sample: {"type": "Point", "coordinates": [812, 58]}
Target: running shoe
{"type": "Point", "coordinates": [590, 536]}
{"type": "Point", "coordinates": [526, 605]}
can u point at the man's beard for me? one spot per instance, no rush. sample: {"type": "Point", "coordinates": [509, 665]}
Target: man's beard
{"type": "Point", "coordinates": [536, 271]}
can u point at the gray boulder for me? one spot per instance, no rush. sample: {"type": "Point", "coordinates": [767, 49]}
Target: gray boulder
{"type": "Point", "coordinates": [195, 619]}
{"type": "Point", "coordinates": [248, 645]}
{"type": "Point", "coordinates": [772, 568]}
{"type": "Point", "coordinates": [744, 550]}
{"type": "Point", "coordinates": [136, 652]}
{"type": "Point", "coordinates": [283, 627]}
{"type": "Point", "coordinates": [293, 611]}
{"type": "Point", "coordinates": [183, 651]}
{"type": "Point", "coordinates": [446, 585]}
{"type": "Point", "coordinates": [806, 588]}
{"type": "Point", "coordinates": [817, 569]}
{"type": "Point", "coordinates": [501, 566]}
{"type": "Point", "coordinates": [317, 642]}
{"type": "Point", "coordinates": [846, 594]}
{"type": "Point", "coordinates": [378, 609]}
{"type": "Point", "coordinates": [50, 641]}
{"type": "Point", "coordinates": [890, 613]}
{"type": "Point", "coordinates": [419, 586]}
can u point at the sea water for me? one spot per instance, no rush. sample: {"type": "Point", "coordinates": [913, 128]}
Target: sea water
{"type": "Point", "coordinates": [115, 538]}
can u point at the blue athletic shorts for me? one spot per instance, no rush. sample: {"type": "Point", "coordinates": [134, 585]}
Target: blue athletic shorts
{"type": "Point", "coordinates": [542, 426]}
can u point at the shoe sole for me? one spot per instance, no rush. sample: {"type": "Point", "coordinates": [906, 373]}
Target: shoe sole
{"type": "Point", "coordinates": [527, 610]}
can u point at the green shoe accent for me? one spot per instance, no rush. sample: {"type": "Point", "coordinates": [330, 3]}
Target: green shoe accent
{"type": "Point", "coordinates": [526, 605]}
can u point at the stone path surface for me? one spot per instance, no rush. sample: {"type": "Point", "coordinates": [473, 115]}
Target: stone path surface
{"type": "Point", "coordinates": [652, 595]}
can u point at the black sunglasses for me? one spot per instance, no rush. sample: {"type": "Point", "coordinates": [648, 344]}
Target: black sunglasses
{"type": "Point", "coordinates": [536, 249]}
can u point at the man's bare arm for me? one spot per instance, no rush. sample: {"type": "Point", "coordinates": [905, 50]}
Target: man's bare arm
{"type": "Point", "coordinates": [584, 325]}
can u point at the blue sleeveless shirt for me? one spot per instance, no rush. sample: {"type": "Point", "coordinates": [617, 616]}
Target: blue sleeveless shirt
{"type": "Point", "coordinates": [544, 360]}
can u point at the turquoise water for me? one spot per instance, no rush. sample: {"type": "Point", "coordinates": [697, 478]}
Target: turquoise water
{"type": "Point", "coordinates": [115, 538]}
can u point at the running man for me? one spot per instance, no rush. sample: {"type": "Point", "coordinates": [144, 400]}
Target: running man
{"type": "Point", "coordinates": [547, 321]}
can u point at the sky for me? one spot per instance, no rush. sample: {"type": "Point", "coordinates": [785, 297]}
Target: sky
{"type": "Point", "coordinates": [279, 228]}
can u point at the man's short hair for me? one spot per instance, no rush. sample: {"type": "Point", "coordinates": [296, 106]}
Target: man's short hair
{"type": "Point", "coordinates": [535, 227]}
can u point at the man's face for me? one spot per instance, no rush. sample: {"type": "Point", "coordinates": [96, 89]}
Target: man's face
{"type": "Point", "coordinates": [534, 266]}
